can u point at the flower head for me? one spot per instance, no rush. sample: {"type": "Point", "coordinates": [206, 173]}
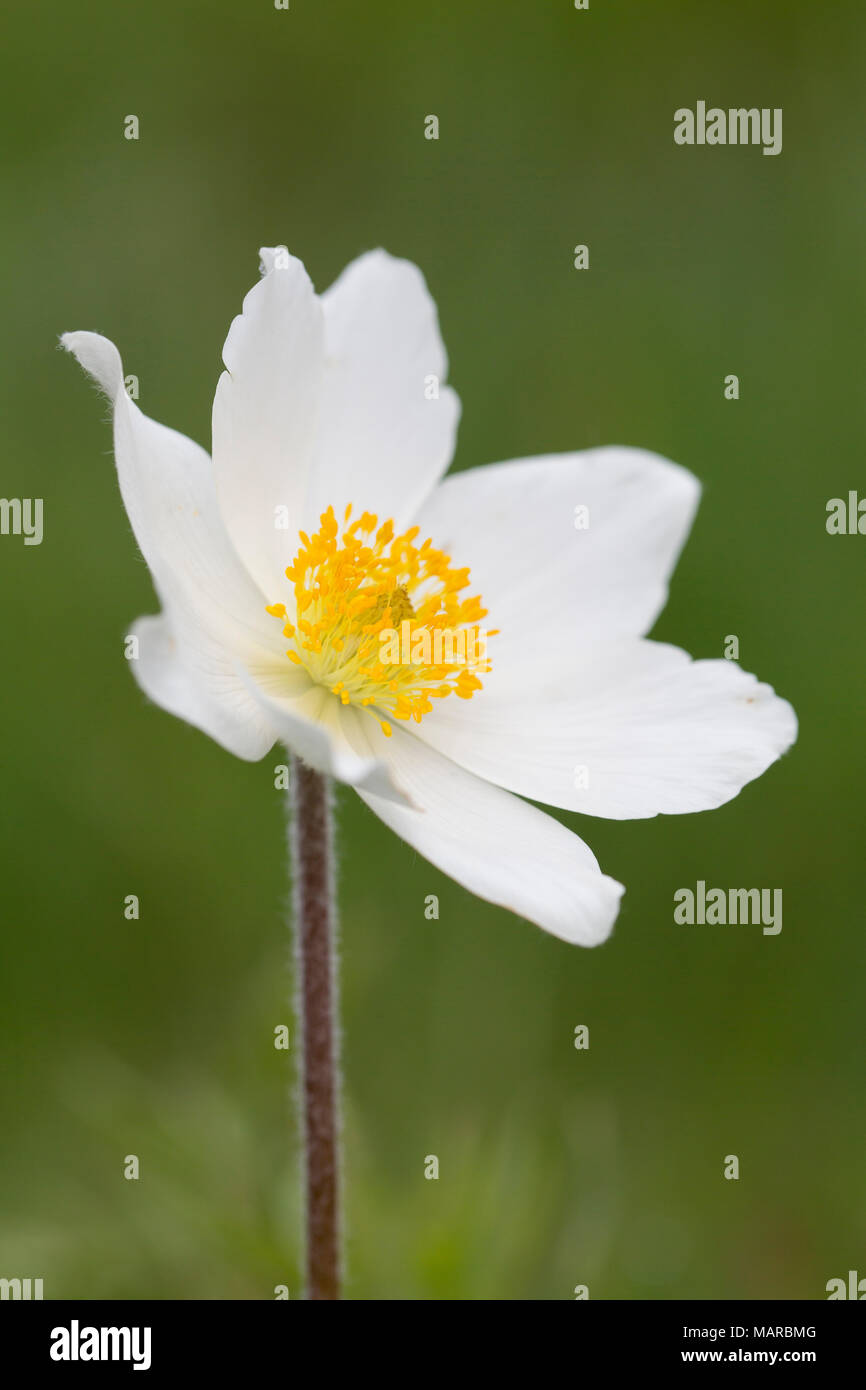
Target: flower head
{"type": "Point", "coordinates": [321, 584]}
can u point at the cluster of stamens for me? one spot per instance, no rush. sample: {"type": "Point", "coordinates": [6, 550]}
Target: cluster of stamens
{"type": "Point", "coordinates": [359, 586]}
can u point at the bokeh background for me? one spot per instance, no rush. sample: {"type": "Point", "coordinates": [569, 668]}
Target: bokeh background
{"type": "Point", "coordinates": [155, 1037]}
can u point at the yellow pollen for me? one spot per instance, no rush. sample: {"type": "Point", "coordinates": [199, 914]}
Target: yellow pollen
{"type": "Point", "coordinates": [379, 621]}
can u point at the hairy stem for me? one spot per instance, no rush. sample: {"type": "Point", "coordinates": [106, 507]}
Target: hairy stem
{"type": "Point", "coordinates": [311, 838]}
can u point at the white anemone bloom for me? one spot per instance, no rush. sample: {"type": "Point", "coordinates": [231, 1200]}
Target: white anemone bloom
{"type": "Point", "coordinates": [322, 520]}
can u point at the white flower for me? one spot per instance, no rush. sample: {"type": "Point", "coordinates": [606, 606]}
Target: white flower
{"type": "Point", "coordinates": [329, 403]}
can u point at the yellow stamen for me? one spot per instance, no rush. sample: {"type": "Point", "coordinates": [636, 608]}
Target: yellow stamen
{"type": "Point", "coordinates": [380, 620]}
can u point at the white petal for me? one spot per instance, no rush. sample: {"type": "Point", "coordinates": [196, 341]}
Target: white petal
{"type": "Point", "coordinates": [233, 719]}
{"type": "Point", "coordinates": [495, 845]}
{"type": "Point", "coordinates": [275, 702]}
{"type": "Point", "coordinates": [641, 731]}
{"type": "Point", "coordinates": [381, 444]}
{"type": "Point", "coordinates": [264, 418]}
{"type": "Point", "coordinates": [332, 739]}
{"type": "Point", "coordinates": [215, 613]}
{"type": "Point", "coordinates": [513, 525]}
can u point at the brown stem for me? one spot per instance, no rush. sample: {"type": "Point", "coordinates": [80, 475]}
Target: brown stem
{"type": "Point", "coordinates": [315, 924]}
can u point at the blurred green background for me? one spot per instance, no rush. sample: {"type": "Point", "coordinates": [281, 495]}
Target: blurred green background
{"type": "Point", "coordinates": [155, 1037]}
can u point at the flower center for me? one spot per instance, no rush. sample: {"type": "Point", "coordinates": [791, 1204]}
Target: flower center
{"type": "Point", "coordinates": [379, 620]}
